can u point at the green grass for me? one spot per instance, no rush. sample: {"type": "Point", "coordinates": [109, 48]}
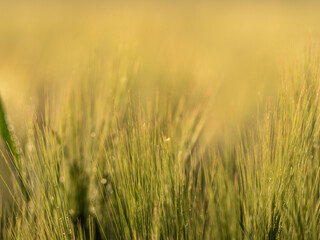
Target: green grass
{"type": "Point", "coordinates": [112, 166]}
{"type": "Point", "coordinates": [159, 121]}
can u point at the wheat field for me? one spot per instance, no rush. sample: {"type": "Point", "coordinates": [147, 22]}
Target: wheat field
{"type": "Point", "coordinates": [159, 120]}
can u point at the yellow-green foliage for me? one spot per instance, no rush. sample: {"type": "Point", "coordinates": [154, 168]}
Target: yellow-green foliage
{"type": "Point", "coordinates": [160, 121]}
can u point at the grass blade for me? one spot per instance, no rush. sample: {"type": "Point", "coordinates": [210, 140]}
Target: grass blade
{"type": "Point", "coordinates": [7, 137]}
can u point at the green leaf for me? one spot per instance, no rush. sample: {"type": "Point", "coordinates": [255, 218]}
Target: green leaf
{"type": "Point", "coordinates": [6, 135]}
